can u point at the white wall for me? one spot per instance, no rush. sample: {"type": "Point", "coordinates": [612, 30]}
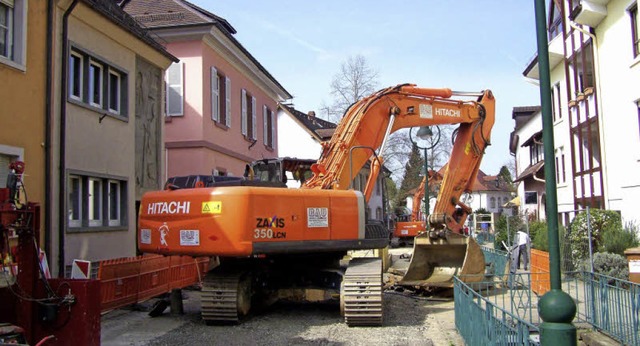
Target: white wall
{"type": "Point", "coordinates": [293, 140]}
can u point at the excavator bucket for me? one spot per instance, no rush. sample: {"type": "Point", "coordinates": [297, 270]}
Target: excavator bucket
{"type": "Point", "coordinates": [436, 261]}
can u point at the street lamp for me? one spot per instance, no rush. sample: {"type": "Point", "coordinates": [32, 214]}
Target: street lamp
{"type": "Point", "coordinates": [426, 134]}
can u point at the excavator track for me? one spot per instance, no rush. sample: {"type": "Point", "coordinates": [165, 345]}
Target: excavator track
{"type": "Point", "coordinates": [226, 296]}
{"type": "Point", "coordinates": [361, 294]}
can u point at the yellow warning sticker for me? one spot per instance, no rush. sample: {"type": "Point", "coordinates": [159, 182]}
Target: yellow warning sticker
{"type": "Point", "coordinates": [213, 207]}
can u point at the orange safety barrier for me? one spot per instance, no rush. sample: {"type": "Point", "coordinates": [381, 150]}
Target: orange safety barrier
{"type": "Point", "coordinates": [118, 282]}
{"type": "Point", "coordinates": [540, 279]}
{"type": "Point", "coordinates": [154, 276]}
{"type": "Point", "coordinates": [126, 281]}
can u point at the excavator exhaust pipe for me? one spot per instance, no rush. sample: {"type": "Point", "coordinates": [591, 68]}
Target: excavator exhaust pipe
{"type": "Point", "coordinates": [436, 261]}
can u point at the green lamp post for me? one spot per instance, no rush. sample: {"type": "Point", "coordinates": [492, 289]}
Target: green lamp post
{"type": "Point", "coordinates": [556, 308]}
{"type": "Point", "coordinates": [426, 134]}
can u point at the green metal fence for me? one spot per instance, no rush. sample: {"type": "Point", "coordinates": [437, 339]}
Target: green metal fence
{"type": "Point", "coordinates": [496, 312]}
{"type": "Point", "coordinates": [496, 261]}
{"type": "Point", "coordinates": [608, 304]}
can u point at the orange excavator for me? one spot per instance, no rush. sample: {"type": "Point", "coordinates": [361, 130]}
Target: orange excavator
{"type": "Point", "coordinates": [405, 230]}
{"type": "Point", "coordinates": [272, 242]}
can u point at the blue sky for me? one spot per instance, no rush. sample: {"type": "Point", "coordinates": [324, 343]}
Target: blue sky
{"type": "Point", "coordinates": [466, 45]}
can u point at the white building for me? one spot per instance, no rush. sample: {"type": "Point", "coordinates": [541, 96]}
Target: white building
{"type": "Point", "coordinates": [594, 55]}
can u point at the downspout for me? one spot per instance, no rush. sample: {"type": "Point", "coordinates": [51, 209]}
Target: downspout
{"type": "Point", "coordinates": [47, 128]}
{"type": "Point", "coordinates": [603, 155]}
{"type": "Point", "coordinates": [63, 123]}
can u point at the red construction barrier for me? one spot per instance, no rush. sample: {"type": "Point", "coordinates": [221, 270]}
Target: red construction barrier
{"type": "Point", "coordinates": [126, 281]}
{"type": "Point", "coordinates": [540, 279]}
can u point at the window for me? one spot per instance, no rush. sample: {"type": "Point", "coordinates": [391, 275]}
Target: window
{"type": "Point", "coordinates": [96, 202]}
{"type": "Point", "coordinates": [75, 76]}
{"type": "Point", "coordinates": [6, 30]}
{"type": "Point", "coordinates": [635, 38]}
{"type": "Point", "coordinates": [561, 175]}
{"type": "Point", "coordinates": [13, 29]}
{"type": "Point", "coordinates": [536, 152]}
{"type": "Point", "coordinates": [492, 203]}
{"type": "Point", "coordinates": [113, 209]}
{"type": "Point", "coordinates": [530, 197]}
{"type": "Point", "coordinates": [556, 102]}
{"type": "Point", "coordinates": [555, 22]}
{"type": "Point", "coordinates": [638, 107]}
{"type": "Point", "coordinates": [220, 98]}
{"type": "Point", "coordinates": [75, 201]}
{"type": "Point", "coordinates": [114, 91]}
{"type": "Point", "coordinates": [581, 69]}
{"type": "Point", "coordinates": [269, 127]}
{"type": "Point", "coordinates": [378, 213]}
{"type": "Point", "coordinates": [97, 83]}
{"type": "Point", "coordinates": [379, 187]}
{"type": "Point", "coordinates": [248, 115]}
{"type": "Point", "coordinates": [175, 89]}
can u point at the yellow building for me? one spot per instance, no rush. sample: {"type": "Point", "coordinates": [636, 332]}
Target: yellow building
{"type": "Point", "coordinates": [22, 93]}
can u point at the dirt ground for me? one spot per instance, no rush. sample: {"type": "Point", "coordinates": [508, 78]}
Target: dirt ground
{"type": "Point", "coordinates": [409, 319]}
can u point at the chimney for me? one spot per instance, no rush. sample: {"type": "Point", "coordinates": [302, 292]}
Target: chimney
{"type": "Point", "coordinates": [311, 114]}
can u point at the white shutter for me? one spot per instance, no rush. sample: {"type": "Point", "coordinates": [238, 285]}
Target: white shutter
{"type": "Point", "coordinates": [264, 126]}
{"type": "Point", "coordinates": [175, 90]}
{"type": "Point", "coordinates": [227, 91]}
{"type": "Point", "coordinates": [243, 114]}
{"type": "Point", "coordinates": [215, 95]}
{"type": "Point", "coordinates": [273, 129]}
{"type": "Point", "coordinates": [254, 127]}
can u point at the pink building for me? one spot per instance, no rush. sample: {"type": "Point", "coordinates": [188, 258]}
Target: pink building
{"type": "Point", "coordinates": [221, 102]}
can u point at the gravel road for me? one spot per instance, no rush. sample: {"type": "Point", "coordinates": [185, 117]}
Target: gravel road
{"type": "Point", "coordinates": [408, 320]}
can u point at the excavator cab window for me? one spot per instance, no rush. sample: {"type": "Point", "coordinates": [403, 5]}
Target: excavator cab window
{"type": "Point", "coordinates": [270, 171]}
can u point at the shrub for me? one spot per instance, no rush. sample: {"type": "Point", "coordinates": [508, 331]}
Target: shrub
{"type": "Point", "coordinates": [609, 264]}
{"type": "Point", "coordinates": [600, 221]}
{"type": "Point", "coordinates": [616, 240]}
{"type": "Point", "coordinates": [501, 230]}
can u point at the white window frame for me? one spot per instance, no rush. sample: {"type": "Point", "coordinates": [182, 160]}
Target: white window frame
{"type": "Point", "coordinates": [8, 30]}
{"type": "Point", "coordinates": [227, 109]}
{"type": "Point", "coordinates": [177, 86]}
{"type": "Point", "coordinates": [118, 105]}
{"type": "Point", "coordinates": [92, 82]}
{"type": "Point", "coordinates": [76, 79]}
{"type": "Point", "coordinates": [243, 114]}
{"type": "Point", "coordinates": [16, 53]}
{"type": "Point", "coordinates": [215, 95]}
{"type": "Point", "coordinates": [116, 205]}
{"type": "Point", "coordinates": [75, 201]}
{"type": "Point", "coordinates": [95, 202]}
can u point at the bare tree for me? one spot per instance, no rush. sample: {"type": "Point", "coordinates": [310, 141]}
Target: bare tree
{"type": "Point", "coordinates": [355, 81]}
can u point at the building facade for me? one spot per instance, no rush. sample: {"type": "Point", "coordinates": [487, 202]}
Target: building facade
{"type": "Point", "coordinates": [221, 102]}
{"type": "Point", "coordinates": [107, 132]}
{"type": "Point", "coordinates": [594, 69]}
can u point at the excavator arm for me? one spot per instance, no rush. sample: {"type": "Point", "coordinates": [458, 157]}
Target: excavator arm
{"type": "Point", "coordinates": [368, 123]}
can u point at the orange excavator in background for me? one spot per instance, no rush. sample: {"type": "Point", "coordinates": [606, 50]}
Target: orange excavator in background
{"type": "Point", "coordinates": [276, 242]}
{"type": "Point", "coordinates": [411, 225]}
